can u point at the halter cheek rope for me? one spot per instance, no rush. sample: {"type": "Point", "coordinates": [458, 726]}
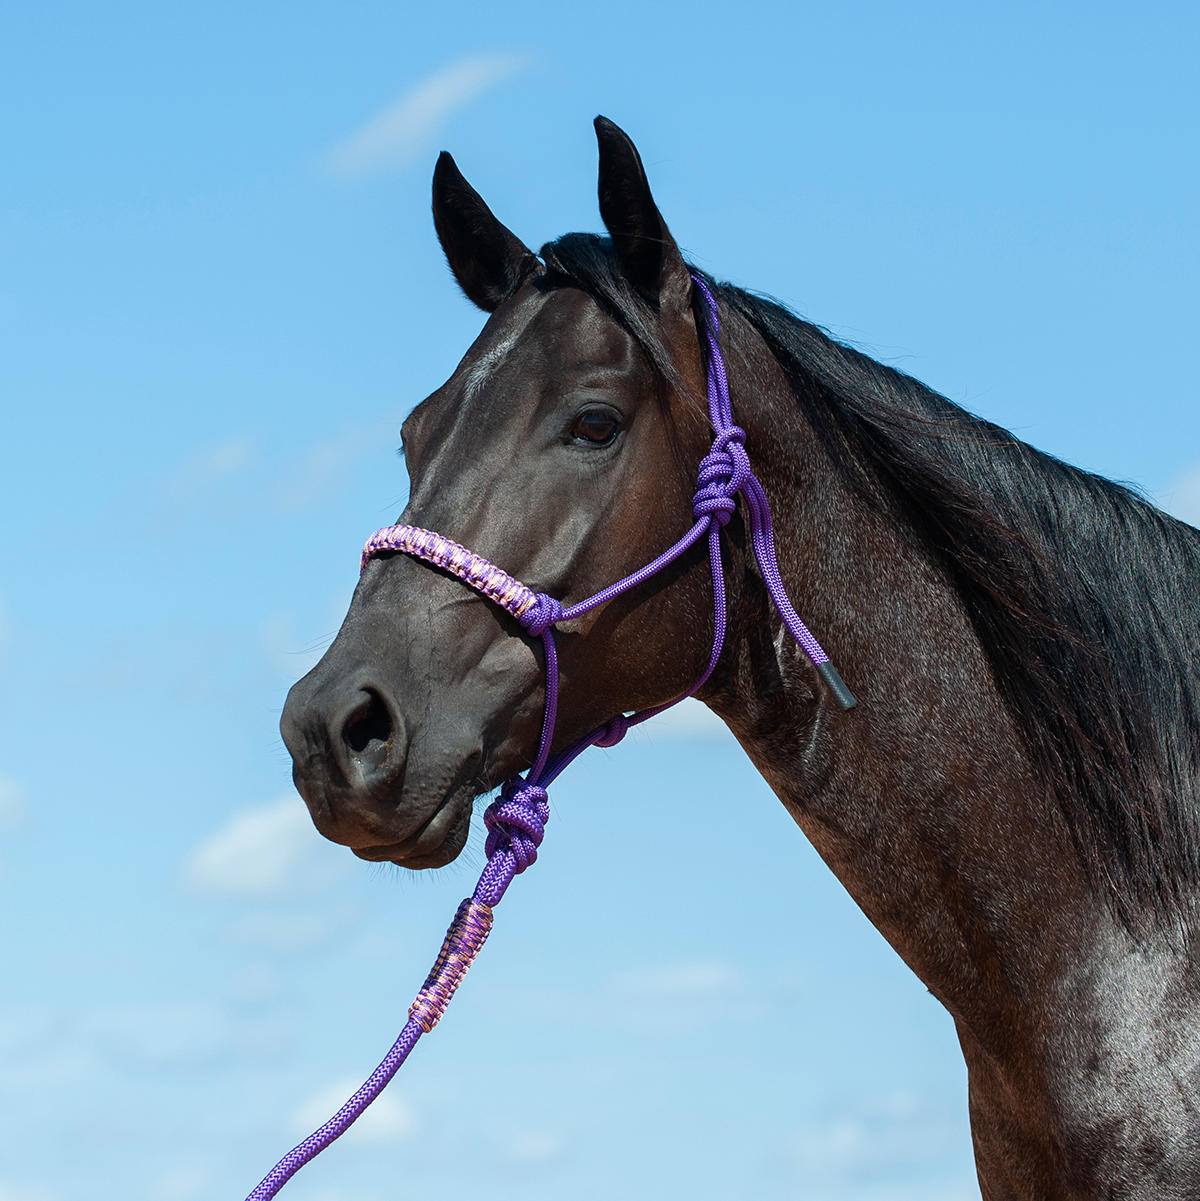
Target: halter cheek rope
{"type": "Point", "coordinates": [516, 820]}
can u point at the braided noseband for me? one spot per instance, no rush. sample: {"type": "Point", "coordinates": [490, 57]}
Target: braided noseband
{"type": "Point", "coordinates": [516, 820]}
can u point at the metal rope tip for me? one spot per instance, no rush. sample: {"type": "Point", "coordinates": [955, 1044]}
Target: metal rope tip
{"type": "Point", "coordinates": [837, 685]}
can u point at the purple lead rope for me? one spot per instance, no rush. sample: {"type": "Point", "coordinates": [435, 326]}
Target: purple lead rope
{"type": "Point", "coordinates": [516, 820]}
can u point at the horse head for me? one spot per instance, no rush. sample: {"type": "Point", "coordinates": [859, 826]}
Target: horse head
{"type": "Point", "coordinates": [564, 449]}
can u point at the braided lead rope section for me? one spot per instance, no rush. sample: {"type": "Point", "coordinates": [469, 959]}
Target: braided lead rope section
{"type": "Point", "coordinates": [467, 934]}
{"type": "Point", "coordinates": [516, 820]}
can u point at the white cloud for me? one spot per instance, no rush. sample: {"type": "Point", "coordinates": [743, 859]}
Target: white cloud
{"type": "Point", "coordinates": [261, 851]}
{"type": "Point", "coordinates": [338, 1194]}
{"type": "Point", "coordinates": [172, 1035]}
{"type": "Point", "coordinates": [899, 1140]}
{"type": "Point", "coordinates": [389, 1118]}
{"type": "Point", "coordinates": [5, 635]}
{"type": "Point", "coordinates": [325, 464]}
{"type": "Point", "coordinates": [235, 455]}
{"type": "Point", "coordinates": [209, 466]}
{"type": "Point", "coordinates": [688, 719]}
{"type": "Point", "coordinates": [1182, 498]}
{"type": "Point", "coordinates": [70, 1048]}
{"type": "Point", "coordinates": [290, 931]}
{"type": "Point", "coordinates": [182, 1184]}
{"type": "Point", "coordinates": [10, 1192]}
{"type": "Point", "coordinates": [403, 129]}
{"type": "Point", "coordinates": [681, 979]}
{"type": "Point", "coordinates": [12, 803]}
{"type": "Point", "coordinates": [531, 1146]}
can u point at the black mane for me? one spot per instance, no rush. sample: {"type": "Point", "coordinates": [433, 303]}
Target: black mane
{"type": "Point", "coordinates": [1083, 595]}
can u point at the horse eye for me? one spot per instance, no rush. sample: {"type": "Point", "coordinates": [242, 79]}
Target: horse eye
{"type": "Point", "coordinates": [597, 427]}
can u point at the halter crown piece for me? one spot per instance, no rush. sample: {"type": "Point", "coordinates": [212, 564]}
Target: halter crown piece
{"type": "Point", "coordinates": [516, 820]}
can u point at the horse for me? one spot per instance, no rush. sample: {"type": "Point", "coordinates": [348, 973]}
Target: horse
{"type": "Point", "coordinates": [1014, 801]}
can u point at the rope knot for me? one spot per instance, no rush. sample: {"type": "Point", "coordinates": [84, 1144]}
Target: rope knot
{"type": "Point", "coordinates": [613, 732]}
{"type": "Point", "coordinates": [723, 472]}
{"type": "Point", "coordinates": [541, 615]}
{"type": "Point", "coordinates": [516, 823]}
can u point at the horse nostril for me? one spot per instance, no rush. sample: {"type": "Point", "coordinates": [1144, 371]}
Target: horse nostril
{"type": "Point", "coordinates": [368, 735]}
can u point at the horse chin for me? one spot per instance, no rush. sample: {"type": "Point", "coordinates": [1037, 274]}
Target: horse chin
{"type": "Point", "coordinates": [437, 842]}
{"type": "Point", "coordinates": [425, 829]}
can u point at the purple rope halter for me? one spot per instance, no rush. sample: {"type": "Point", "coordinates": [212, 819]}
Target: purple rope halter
{"type": "Point", "coordinates": [516, 820]}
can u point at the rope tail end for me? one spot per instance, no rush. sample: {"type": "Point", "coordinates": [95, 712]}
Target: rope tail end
{"type": "Point", "coordinates": [837, 685]}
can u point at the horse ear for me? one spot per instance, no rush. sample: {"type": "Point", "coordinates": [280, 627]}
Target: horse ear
{"type": "Point", "coordinates": [488, 260]}
{"type": "Point", "coordinates": [648, 254]}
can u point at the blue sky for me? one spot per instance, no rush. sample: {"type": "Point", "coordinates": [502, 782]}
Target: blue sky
{"type": "Point", "coordinates": [219, 295]}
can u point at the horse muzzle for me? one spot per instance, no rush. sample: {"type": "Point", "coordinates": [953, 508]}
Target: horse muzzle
{"type": "Point", "coordinates": [368, 782]}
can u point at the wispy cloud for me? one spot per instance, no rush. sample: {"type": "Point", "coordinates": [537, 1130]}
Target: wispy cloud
{"type": "Point", "coordinates": [12, 803]}
{"type": "Point", "coordinates": [325, 464]}
{"type": "Point", "coordinates": [681, 979]}
{"type": "Point", "coordinates": [71, 1044]}
{"type": "Point", "coordinates": [236, 478]}
{"type": "Point", "coordinates": [260, 851]}
{"type": "Point", "coordinates": [209, 466]}
{"type": "Point", "coordinates": [389, 1118]}
{"type": "Point", "coordinates": [530, 1147]}
{"type": "Point", "coordinates": [405, 128]}
{"type": "Point", "coordinates": [180, 1184]}
{"type": "Point", "coordinates": [172, 1034]}
{"type": "Point", "coordinates": [901, 1139]}
{"type": "Point", "coordinates": [10, 1192]}
{"type": "Point", "coordinates": [5, 634]}
{"type": "Point", "coordinates": [1182, 498]}
{"type": "Point", "coordinates": [291, 931]}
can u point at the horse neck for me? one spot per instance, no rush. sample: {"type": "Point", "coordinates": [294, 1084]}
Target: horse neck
{"type": "Point", "coordinates": [922, 799]}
